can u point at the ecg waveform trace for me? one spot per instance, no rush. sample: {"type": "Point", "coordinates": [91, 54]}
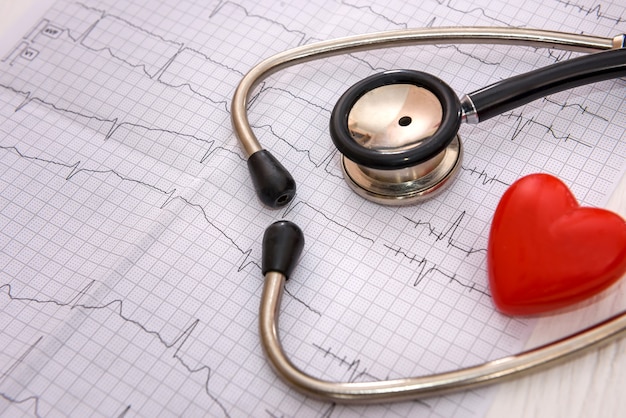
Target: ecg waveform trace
{"type": "Point", "coordinates": [117, 306]}
{"type": "Point", "coordinates": [125, 105]}
{"type": "Point", "coordinates": [11, 368]}
{"type": "Point", "coordinates": [595, 10]}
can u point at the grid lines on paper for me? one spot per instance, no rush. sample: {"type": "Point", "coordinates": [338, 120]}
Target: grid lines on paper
{"type": "Point", "coordinates": [150, 183]}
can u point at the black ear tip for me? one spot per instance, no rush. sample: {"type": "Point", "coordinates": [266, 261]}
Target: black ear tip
{"type": "Point", "coordinates": [272, 182]}
{"type": "Point", "coordinates": [283, 242]}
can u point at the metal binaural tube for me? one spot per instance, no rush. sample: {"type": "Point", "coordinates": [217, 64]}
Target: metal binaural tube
{"type": "Point", "coordinates": [285, 237]}
{"type": "Point", "coordinates": [418, 387]}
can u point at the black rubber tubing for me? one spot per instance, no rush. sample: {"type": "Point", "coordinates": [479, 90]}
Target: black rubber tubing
{"type": "Point", "coordinates": [516, 91]}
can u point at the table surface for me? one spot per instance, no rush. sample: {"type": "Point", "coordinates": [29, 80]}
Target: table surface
{"type": "Point", "coordinates": [590, 385]}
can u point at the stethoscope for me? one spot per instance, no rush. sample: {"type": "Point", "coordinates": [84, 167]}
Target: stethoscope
{"type": "Point", "coordinates": [398, 134]}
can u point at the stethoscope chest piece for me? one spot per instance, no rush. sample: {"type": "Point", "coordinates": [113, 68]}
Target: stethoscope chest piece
{"type": "Point", "coordinates": [405, 186]}
{"type": "Point", "coordinates": [397, 132]}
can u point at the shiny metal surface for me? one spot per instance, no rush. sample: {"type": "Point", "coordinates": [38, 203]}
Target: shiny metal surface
{"type": "Point", "coordinates": [394, 117]}
{"type": "Point", "coordinates": [418, 387]}
{"type": "Point", "coordinates": [425, 36]}
{"type": "Point", "coordinates": [405, 186]}
{"type": "Point", "coordinates": [468, 110]}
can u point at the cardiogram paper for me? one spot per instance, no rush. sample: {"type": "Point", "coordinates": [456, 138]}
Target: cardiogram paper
{"type": "Point", "coordinates": [130, 232]}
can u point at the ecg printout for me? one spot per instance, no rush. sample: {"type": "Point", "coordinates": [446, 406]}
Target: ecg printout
{"type": "Point", "coordinates": [130, 232]}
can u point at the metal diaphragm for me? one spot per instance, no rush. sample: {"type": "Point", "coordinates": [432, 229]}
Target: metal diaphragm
{"type": "Point", "coordinates": [397, 132]}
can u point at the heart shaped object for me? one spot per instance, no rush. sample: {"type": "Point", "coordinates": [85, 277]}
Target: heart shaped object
{"type": "Point", "coordinates": [546, 252]}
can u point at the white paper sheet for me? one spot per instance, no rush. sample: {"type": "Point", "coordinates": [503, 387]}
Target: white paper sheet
{"type": "Point", "coordinates": [130, 239]}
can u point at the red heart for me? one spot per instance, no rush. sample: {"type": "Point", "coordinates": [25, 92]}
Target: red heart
{"type": "Point", "coordinates": [546, 252]}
